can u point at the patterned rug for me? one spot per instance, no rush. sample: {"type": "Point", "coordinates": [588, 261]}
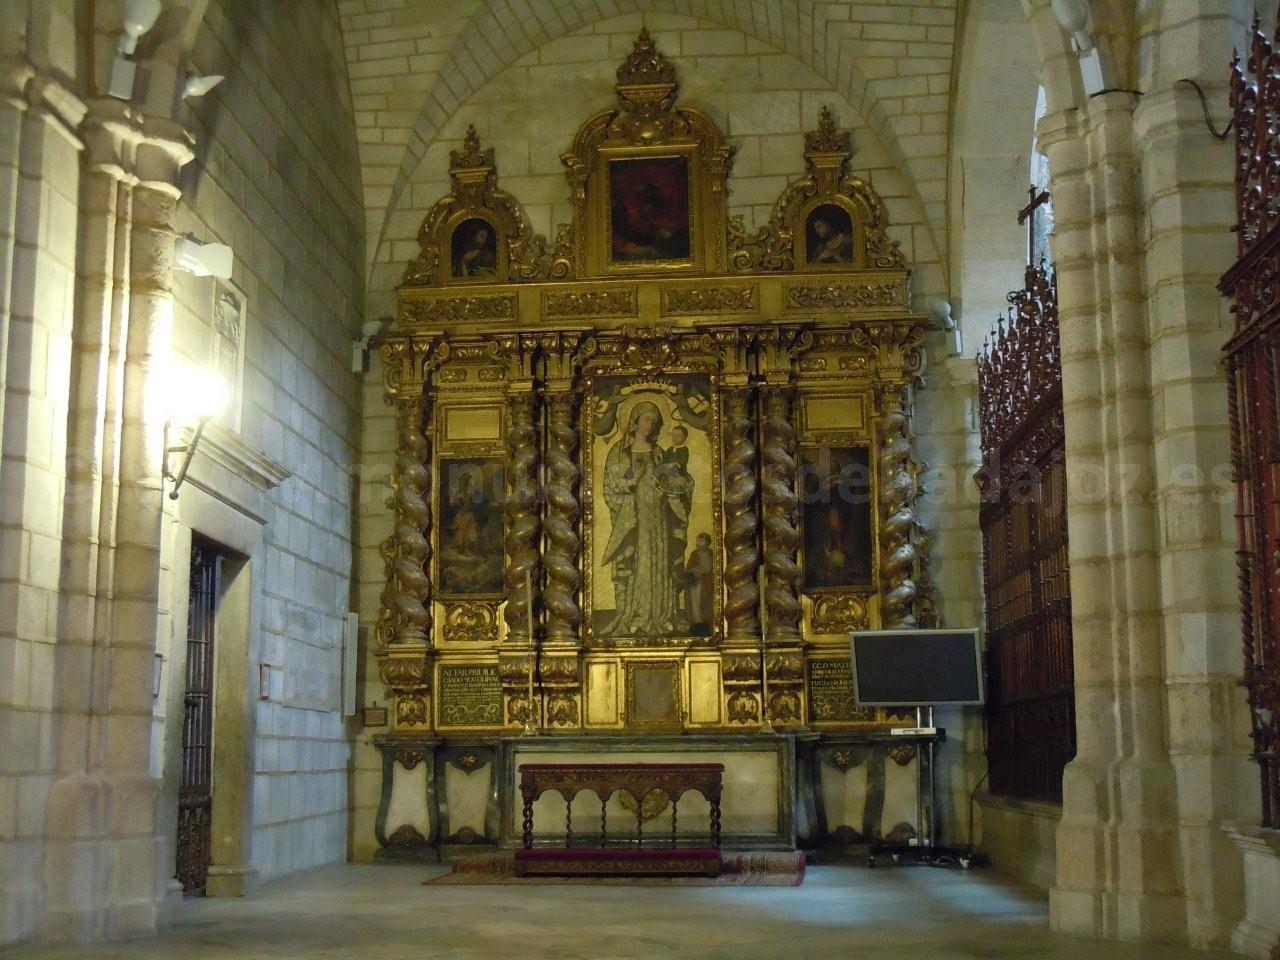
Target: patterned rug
{"type": "Point", "coordinates": [739, 870]}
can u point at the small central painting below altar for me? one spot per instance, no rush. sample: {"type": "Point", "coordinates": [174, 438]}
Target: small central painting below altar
{"type": "Point", "coordinates": [649, 216]}
{"type": "Point", "coordinates": [835, 489]}
{"type": "Point", "coordinates": [470, 511]}
{"type": "Point", "coordinates": [654, 561]}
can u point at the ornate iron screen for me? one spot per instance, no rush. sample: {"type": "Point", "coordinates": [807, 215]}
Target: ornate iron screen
{"type": "Point", "coordinates": [1030, 694]}
{"type": "Point", "coordinates": [195, 794]}
{"type": "Point", "coordinates": [1253, 365]}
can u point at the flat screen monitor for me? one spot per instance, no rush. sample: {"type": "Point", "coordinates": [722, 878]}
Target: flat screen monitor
{"type": "Point", "coordinates": [917, 668]}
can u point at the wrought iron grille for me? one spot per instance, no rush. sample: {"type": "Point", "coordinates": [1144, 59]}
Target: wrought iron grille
{"type": "Point", "coordinates": [1253, 366]}
{"type": "Point", "coordinates": [195, 795]}
{"type": "Point", "coordinates": [1030, 692]}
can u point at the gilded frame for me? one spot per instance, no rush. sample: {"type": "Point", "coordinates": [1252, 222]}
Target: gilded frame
{"type": "Point", "coordinates": [858, 240]}
{"type": "Point", "coordinates": [632, 667]}
{"type": "Point", "coordinates": [600, 260]}
{"type": "Point", "coordinates": [591, 640]}
{"type": "Point", "coordinates": [498, 223]}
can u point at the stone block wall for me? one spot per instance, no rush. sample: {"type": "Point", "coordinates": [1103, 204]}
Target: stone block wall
{"type": "Point", "coordinates": [277, 177]}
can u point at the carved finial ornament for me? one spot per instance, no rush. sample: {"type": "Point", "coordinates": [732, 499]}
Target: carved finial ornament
{"type": "Point", "coordinates": [471, 156]}
{"type": "Point", "coordinates": [646, 65]}
{"type": "Point", "coordinates": [827, 138]}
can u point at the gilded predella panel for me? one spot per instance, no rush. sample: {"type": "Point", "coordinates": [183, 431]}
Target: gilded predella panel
{"type": "Point", "coordinates": [653, 523]}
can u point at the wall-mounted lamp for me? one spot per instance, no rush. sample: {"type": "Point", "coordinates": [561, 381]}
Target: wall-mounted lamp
{"type": "Point", "coordinates": [1073, 17]}
{"type": "Point", "coordinates": [196, 395]}
{"type": "Point", "coordinates": [196, 86]}
{"type": "Point", "coordinates": [203, 259]}
{"type": "Point", "coordinates": [139, 17]}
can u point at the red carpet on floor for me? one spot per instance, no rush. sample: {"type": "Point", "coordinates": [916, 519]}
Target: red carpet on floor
{"type": "Point", "coordinates": [738, 870]}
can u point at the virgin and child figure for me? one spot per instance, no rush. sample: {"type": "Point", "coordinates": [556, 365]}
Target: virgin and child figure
{"type": "Point", "coordinates": [649, 491]}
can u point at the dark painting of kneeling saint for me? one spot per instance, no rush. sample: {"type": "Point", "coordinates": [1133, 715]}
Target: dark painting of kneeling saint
{"type": "Point", "coordinates": [475, 249]}
{"type": "Point", "coordinates": [829, 236]}
{"type": "Point", "coordinates": [470, 518]}
{"type": "Point", "coordinates": [649, 210]}
{"type": "Point", "coordinates": [836, 501]}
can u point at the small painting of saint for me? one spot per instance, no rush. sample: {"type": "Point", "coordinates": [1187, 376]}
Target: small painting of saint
{"type": "Point", "coordinates": [829, 236]}
{"type": "Point", "coordinates": [475, 249]}
{"type": "Point", "coordinates": [649, 210]}
{"type": "Point", "coordinates": [836, 497]}
{"type": "Point", "coordinates": [470, 511]}
{"type": "Point", "coordinates": [697, 586]}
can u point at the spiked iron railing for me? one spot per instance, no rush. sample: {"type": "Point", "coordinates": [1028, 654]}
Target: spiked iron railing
{"type": "Point", "coordinates": [1031, 696]}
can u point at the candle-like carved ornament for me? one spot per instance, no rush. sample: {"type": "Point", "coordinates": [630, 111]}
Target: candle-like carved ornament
{"type": "Point", "coordinates": [406, 597]}
{"type": "Point", "coordinates": [561, 524]}
{"type": "Point", "coordinates": [523, 527]}
{"type": "Point", "coordinates": [897, 499]}
{"type": "Point", "coordinates": [742, 554]}
{"type": "Point", "coordinates": [781, 536]}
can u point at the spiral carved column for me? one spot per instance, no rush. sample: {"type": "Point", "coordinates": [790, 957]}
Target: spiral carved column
{"type": "Point", "coordinates": [561, 673]}
{"type": "Point", "coordinates": [406, 616]}
{"type": "Point", "coordinates": [781, 536]}
{"type": "Point", "coordinates": [897, 504]}
{"type": "Point", "coordinates": [523, 526]}
{"type": "Point", "coordinates": [522, 578]}
{"type": "Point", "coordinates": [561, 524]}
{"type": "Point", "coordinates": [742, 593]}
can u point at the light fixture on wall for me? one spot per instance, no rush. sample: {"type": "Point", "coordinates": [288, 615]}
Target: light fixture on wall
{"type": "Point", "coordinates": [1073, 17]}
{"type": "Point", "coordinates": [196, 86]}
{"type": "Point", "coordinates": [360, 348]}
{"type": "Point", "coordinates": [139, 17]}
{"type": "Point", "coordinates": [203, 259]}
{"type": "Point", "coordinates": [195, 396]}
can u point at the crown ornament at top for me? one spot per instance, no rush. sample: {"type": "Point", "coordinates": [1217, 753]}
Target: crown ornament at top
{"type": "Point", "coordinates": [471, 156]}
{"type": "Point", "coordinates": [645, 64]}
{"type": "Point", "coordinates": [827, 138]}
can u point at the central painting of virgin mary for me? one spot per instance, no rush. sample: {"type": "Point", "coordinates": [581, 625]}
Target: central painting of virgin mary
{"type": "Point", "coordinates": [653, 562]}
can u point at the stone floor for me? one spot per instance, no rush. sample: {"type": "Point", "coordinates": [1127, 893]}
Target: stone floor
{"type": "Point", "coordinates": [384, 913]}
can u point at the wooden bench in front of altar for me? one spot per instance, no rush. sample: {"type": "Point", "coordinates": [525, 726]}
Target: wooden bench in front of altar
{"type": "Point", "coordinates": [604, 780]}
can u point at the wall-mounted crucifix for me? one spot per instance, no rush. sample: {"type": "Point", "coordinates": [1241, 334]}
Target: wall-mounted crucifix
{"type": "Point", "coordinates": [1028, 215]}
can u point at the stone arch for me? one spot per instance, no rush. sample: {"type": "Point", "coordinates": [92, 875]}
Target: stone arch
{"type": "Point", "coordinates": [997, 81]}
{"type": "Point", "coordinates": [500, 33]}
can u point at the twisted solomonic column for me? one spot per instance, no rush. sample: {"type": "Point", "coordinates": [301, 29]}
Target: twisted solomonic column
{"type": "Point", "coordinates": [897, 504]}
{"type": "Point", "coordinates": [406, 598]}
{"type": "Point", "coordinates": [523, 527]}
{"type": "Point", "coordinates": [742, 554]}
{"type": "Point", "coordinates": [560, 598]}
{"type": "Point", "coordinates": [781, 536]}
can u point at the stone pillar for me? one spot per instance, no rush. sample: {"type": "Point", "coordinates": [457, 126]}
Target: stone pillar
{"type": "Point", "coordinates": [102, 816]}
{"type": "Point", "coordinates": [39, 185]}
{"type": "Point", "coordinates": [1189, 200]}
{"type": "Point", "coordinates": [1118, 869]}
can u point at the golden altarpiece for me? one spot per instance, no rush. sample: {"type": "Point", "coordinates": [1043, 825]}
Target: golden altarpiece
{"type": "Point", "coordinates": [650, 474]}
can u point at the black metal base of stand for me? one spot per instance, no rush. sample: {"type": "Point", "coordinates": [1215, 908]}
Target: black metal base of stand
{"type": "Point", "coordinates": [903, 854]}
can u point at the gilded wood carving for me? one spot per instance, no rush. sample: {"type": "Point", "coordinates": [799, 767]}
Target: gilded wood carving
{"type": "Point", "coordinates": [641, 436]}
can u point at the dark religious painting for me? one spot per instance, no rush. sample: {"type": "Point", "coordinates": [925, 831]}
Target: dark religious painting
{"type": "Point", "coordinates": [829, 235]}
{"type": "Point", "coordinates": [475, 249]}
{"type": "Point", "coordinates": [470, 513]}
{"type": "Point", "coordinates": [836, 500]}
{"type": "Point", "coordinates": [649, 209]}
